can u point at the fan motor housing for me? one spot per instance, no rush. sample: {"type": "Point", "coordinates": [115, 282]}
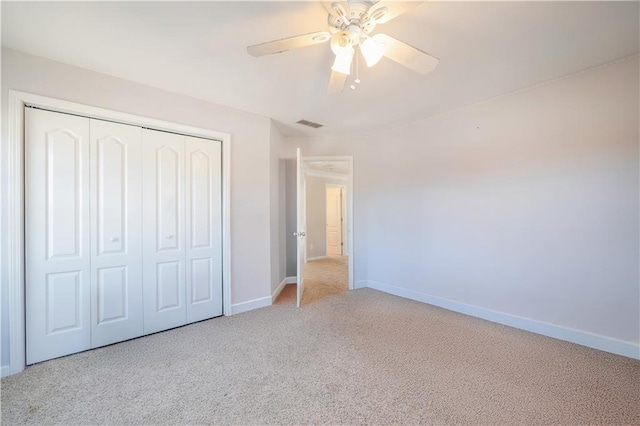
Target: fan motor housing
{"type": "Point", "coordinates": [355, 20]}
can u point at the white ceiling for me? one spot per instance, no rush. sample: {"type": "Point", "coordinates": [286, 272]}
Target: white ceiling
{"type": "Point", "coordinates": [199, 49]}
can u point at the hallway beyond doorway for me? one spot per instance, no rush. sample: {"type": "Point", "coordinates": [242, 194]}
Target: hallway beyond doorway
{"type": "Point", "coordinates": [323, 278]}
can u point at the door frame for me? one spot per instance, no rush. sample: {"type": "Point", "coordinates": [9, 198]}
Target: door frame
{"type": "Point", "coordinates": [343, 212]}
{"type": "Point", "coordinates": [15, 201]}
{"type": "Point", "coordinates": [350, 222]}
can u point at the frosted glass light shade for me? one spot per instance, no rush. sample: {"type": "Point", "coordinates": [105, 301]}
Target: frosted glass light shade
{"type": "Point", "coordinates": [342, 64]}
{"type": "Point", "coordinates": [372, 50]}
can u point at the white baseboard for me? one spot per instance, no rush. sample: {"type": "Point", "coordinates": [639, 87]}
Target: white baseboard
{"type": "Point", "coordinates": [361, 284]}
{"type": "Point", "coordinates": [262, 302]}
{"type": "Point", "coordinates": [596, 341]}
{"type": "Point", "coordinates": [309, 259]}
{"type": "Point", "coordinates": [6, 370]}
{"type": "Point", "coordinates": [278, 290]}
{"type": "Point", "coordinates": [250, 305]}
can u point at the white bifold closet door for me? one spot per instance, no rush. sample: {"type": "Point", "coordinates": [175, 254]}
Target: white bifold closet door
{"type": "Point", "coordinates": [83, 248]}
{"type": "Point", "coordinates": [57, 233]}
{"type": "Point", "coordinates": [203, 197]}
{"type": "Point", "coordinates": [116, 219]}
{"type": "Point", "coordinates": [123, 232]}
{"type": "Point", "coordinates": [181, 229]}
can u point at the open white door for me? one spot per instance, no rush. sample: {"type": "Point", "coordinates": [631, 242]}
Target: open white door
{"type": "Point", "coordinates": [301, 225]}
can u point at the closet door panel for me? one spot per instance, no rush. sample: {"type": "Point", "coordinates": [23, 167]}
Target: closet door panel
{"type": "Point", "coordinates": [201, 271]}
{"type": "Point", "coordinates": [163, 230]}
{"type": "Point", "coordinates": [204, 228]}
{"type": "Point", "coordinates": [113, 298]}
{"type": "Point", "coordinates": [57, 251]}
{"type": "Point", "coordinates": [116, 263]}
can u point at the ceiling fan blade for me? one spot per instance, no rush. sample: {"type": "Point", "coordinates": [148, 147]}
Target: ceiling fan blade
{"type": "Point", "coordinates": [337, 18]}
{"type": "Point", "coordinates": [344, 5]}
{"type": "Point", "coordinates": [289, 43]}
{"type": "Point", "coordinates": [336, 83]}
{"type": "Point", "coordinates": [409, 56]}
{"type": "Point", "coordinates": [396, 8]}
{"type": "Point", "coordinates": [328, 5]}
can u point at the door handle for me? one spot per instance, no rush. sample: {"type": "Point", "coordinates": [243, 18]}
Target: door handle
{"type": "Point", "coordinates": [299, 234]}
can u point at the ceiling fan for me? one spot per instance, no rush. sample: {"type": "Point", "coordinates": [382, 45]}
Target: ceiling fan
{"type": "Point", "coordinates": [350, 25]}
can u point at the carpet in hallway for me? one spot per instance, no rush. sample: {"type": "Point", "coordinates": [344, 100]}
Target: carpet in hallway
{"type": "Point", "coordinates": [322, 277]}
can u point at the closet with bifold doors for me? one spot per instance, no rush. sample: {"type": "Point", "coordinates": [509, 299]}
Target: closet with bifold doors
{"type": "Point", "coordinates": [123, 232]}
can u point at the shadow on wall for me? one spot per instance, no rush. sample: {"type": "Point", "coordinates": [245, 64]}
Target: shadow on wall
{"type": "Point", "coordinates": [290, 214]}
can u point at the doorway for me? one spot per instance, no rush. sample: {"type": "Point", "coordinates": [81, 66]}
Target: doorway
{"type": "Point", "coordinates": [328, 267]}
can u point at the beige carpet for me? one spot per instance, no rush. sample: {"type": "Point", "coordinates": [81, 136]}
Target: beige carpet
{"type": "Point", "coordinates": [322, 278]}
{"type": "Point", "coordinates": [355, 357]}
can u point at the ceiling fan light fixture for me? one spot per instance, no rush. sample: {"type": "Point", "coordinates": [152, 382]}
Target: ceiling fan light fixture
{"type": "Point", "coordinates": [372, 49]}
{"type": "Point", "coordinates": [342, 64]}
{"type": "Point", "coordinates": [341, 43]}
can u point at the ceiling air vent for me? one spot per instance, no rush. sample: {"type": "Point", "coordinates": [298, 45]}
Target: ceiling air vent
{"type": "Point", "coordinates": [309, 123]}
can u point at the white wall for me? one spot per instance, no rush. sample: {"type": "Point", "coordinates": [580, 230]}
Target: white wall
{"type": "Point", "coordinates": [317, 214]}
{"type": "Point", "coordinates": [522, 206]}
{"type": "Point", "coordinates": [276, 221]}
{"type": "Point", "coordinates": [250, 156]}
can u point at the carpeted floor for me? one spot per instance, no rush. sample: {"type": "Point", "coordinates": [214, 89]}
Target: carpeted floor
{"type": "Point", "coordinates": [355, 357]}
